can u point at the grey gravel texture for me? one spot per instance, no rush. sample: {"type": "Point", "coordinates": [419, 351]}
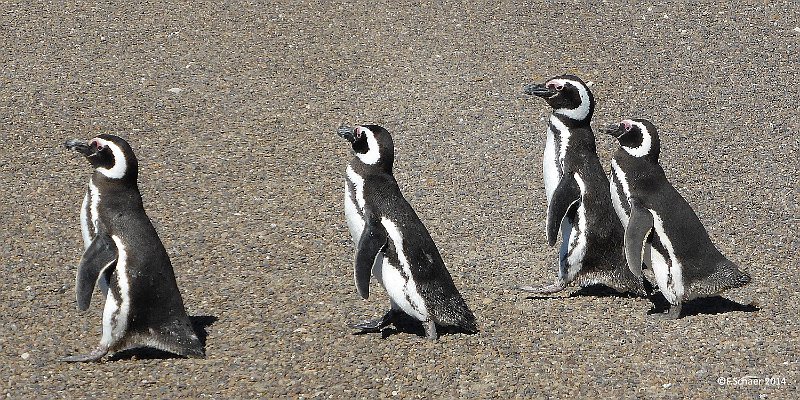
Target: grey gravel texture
{"type": "Point", "coordinates": [232, 109]}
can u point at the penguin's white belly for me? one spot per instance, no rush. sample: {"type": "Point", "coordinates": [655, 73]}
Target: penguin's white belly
{"type": "Point", "coordinates": [116, 310]}
{"type": "Point", "coordinates": [549, 166]}
{"type": "Point", "coordinates": [576, 249]}
{"type": "Point", "coordinates": [667, 269]}
{"type": "Point", "coordinates": [577, 244]}
{"type": "Point", "coordinates": [355, 223]}
{"type": "Point", "coordinates": [397, 279]}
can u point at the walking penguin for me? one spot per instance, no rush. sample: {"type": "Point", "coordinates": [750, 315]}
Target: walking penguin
{"type": "Point", "coordinates": [392, 244]}
{"type": "Point", "coordinates": [578, 198]}
{"type": "Point", "coordinates": [124, 255]}
{"type": "Point", "coordinates": [662, 230]}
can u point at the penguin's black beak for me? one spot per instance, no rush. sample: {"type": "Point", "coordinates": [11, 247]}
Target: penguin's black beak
{"type": "Point", "coordinates": [615, 130]}
{"type": "Point", "coordinates": [347, 133]}
{"type": "Point", "coordinates": [540, 90]}
{"type": "Point", "coordinates": [79, 146]}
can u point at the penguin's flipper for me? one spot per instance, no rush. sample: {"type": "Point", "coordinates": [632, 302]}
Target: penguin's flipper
{"type": "Point", "coordinates": [373, 239]}
{"type": "Point", "coordinates": [101, 254]}
{"type": "Point", "coordinates": [639, 226]}
{"type": "Point", "coordinates": [566, 195]}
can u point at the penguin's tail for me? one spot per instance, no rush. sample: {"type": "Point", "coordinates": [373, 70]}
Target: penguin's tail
{"type": "Point", "coordinates": [176, 337]}
{"type": "Point", "coordinates": [458, 315]}
{"type": "Point", "coordinates": [726, 275]}
{"type": "Point", "coordinates": [740, 278]}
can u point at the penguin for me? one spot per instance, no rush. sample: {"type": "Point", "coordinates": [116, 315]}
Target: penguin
{"type": "Point", "coordinates": [579, 209]}
{"type": "Point", "coordinates": [661, 229]}
{"type": "Point", "coordinates": [125, 257]}
{"type": "Point", "coordinates": [392, 243]}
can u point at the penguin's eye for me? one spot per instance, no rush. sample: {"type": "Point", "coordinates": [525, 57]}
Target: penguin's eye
{"type": "Point", "coordinates": [358, 133]}
{"type": "Point", "coordinates": [627, 127]}
{"type": "Point", "coordinates": [557, 86]}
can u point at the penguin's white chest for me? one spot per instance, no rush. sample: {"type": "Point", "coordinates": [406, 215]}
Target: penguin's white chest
{"type": "Point", "coordinates": [89, 207]}
{"type": "Point", "coordinates": [555, 151]}
{"type": "Point", "coordinates": [549, 165]}
{"type": "Point", "coordinates": [354, 204]}
{"type": "Point", "coordinates": [619, 183]}
{"type": "Point", "coordinates": [397, 279]}
{"type": "Point", "coordinates": [116, 310]}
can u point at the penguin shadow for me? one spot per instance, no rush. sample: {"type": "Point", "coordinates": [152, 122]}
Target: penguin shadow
{"type": "Point", "coordinates": [199, 324]}
{"type": "Point", "coordinates": [404, 324]}
{"type": "Point", "coordinates": [598, 290]}
{"type": "Point", "coordinates": [702, 306]}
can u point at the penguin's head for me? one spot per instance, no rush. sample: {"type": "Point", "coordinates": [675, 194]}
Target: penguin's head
{"type": "Point", "coordinates": [638, 137]}
{"type": "Point", "coordinates": [372, 144]}
{"type": "Point", "coordinates": [567, 94]}
{"type": "Point", "coordinates": [110, 155]}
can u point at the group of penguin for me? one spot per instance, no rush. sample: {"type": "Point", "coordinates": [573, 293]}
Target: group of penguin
{"type": "Point", "coordinates": [609, 232]}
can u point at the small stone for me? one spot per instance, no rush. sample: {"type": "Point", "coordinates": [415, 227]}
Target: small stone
{"type": "Point", "coordinates": [25, 355]}
{"type": "Point", "coordinates": [175, 90]}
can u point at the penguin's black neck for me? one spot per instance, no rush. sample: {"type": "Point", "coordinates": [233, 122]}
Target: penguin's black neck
{"type": "Point", "coordinates": [574, 123]}
{"type": "Point", "coordinates": [381, 167]}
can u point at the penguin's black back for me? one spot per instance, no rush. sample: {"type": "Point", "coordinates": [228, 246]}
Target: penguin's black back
{"type": "Point", "coordinates": [606, 233]}
{"type": "Point", "coordinates": [690, 241]}
{"type": "Point", "coordinates": [383, 199]}
{"type": "Point", "coordinates": [155, 301]}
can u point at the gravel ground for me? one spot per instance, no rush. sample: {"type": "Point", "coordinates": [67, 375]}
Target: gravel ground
{"type": "Point", "coordinates": [232, 109]}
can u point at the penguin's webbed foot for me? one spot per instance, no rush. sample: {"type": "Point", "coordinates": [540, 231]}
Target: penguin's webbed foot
{"type": "Point", "coordinates": [377, 324]}
{"type": "Point", "coordinates": [555, 287]}
{"type": "Point", "coordinates": [94, 356]}
{"type": "Point", "coordinates": [673, 313]}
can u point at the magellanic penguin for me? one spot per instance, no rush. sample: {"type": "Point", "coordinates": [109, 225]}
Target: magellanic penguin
{"type": "Point", "coordinates": [685, 263]}
{"type": "Point", "coordinates": [123, 253]}
{"type": "Point", "coordinates": [392, 244]}
{"type": "Point", "coordinates": [578, 198]}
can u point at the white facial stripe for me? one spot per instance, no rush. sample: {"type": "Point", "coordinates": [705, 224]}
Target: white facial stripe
{"type": "Point", "coordinates": [644, 148]}
{"type": "Point", "coordinates": [374, 153]}
{"type": "Point", "coordinates": [582, 111]}
{"type": "Point", "coordinates": [403, 293]}
{"type": "Point", "coordinates": [117, 171]}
